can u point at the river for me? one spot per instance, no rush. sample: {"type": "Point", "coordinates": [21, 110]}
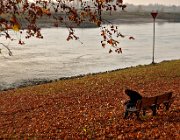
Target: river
{"type": "Point", "coordinates": [53, 57]}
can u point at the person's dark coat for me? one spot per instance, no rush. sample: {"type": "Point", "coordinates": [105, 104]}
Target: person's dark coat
{"type": "Point", "coordinates": [134, 97]}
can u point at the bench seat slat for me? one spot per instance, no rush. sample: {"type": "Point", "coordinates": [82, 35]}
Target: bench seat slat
{"type": "Point", "coordinates": [132, 109]}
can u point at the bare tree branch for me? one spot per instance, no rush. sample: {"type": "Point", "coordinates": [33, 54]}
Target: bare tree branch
{"type": "Point", "coordinates": [9, 51]}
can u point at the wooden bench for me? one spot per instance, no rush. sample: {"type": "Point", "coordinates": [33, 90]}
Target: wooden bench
{"type": "Point", "coordinates": [152, 103]}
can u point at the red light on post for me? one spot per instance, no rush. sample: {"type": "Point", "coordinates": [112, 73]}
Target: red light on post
{"type": "Point", "coordinates": [154, 14]}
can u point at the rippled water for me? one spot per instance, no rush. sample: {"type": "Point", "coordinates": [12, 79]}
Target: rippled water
{"type": "Point", "coordinates": [54, 57]}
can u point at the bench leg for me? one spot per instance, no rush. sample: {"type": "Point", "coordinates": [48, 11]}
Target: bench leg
{"type": "Point", "coordinates": [167, 105]}
{"type": "Point", "coordinates": [153, 108]}
{"type": "Point", "coordinates": [157, 106]}
{"type": "Point", "coordinates": [126, 114]}
{"type": "Point", "coordinates": [137, 114]}
{"type": "Point", "coordinates": [144, 112]}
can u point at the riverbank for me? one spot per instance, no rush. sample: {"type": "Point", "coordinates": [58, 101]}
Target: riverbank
{"type": "Point", "coordinates": [34, 82]}
{"type": "Point", "coordinates": [92, 106]}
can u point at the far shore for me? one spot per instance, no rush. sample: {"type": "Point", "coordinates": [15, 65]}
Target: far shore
{"type": "Point", "coordinates": [118, 18]}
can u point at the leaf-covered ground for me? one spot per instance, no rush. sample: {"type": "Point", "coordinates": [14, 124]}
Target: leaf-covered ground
{"type": "Point", "coordinates": [91, 107]}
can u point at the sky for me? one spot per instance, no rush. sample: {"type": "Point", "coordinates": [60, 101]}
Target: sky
{"type": "Point", "coordinates": [146, 2]}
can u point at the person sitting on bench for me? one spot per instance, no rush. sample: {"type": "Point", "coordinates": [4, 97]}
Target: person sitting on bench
{"type": "Point", "coordinates": [134, 97]}
{"type": "Point", "coordinates": [131, 104]}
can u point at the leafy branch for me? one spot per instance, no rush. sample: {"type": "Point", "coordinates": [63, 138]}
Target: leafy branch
{"type": "Point", "coordinates": [17, 15]}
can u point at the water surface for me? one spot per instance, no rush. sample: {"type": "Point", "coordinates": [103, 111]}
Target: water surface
{"type": "Point", "coordinates": [54, 57]}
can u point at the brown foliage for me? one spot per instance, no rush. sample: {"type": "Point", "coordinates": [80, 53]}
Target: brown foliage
{"type": "Point", "coordinates": [18, 15]}
{"type": "Point", "coordinates": [90, 108]}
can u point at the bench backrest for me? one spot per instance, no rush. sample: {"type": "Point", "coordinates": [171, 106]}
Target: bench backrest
{"type": "Point", "coordinates": [147, 102]}
{"type": "Point", "coordinates": [164, 97]}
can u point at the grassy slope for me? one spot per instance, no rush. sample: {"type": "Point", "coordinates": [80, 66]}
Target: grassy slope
{"type": "Point", "coordinates": [92, 106]}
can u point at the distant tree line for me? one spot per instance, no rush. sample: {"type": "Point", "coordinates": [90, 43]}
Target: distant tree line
{"type": "Point", "coordinates": [149, 8]}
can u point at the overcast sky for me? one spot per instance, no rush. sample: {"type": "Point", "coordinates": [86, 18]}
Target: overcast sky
{"type": "Point", "coordinates": [146, 2]}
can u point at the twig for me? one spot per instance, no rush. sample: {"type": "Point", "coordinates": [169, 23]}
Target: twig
{"type": "Point", "coordinates": [10, 52]}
